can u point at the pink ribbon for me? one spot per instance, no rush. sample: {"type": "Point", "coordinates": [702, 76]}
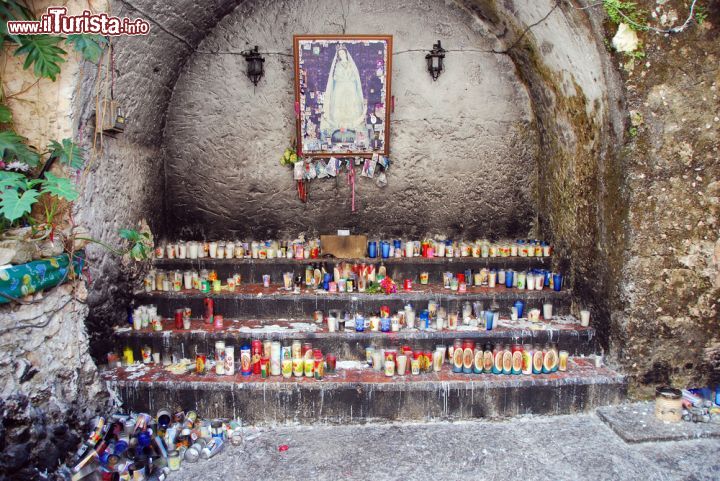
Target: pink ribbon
{"type": "Point", "coordinates": [351, 181]}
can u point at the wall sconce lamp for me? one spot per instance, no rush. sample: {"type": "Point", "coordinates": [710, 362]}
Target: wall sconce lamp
{"type": "Point", "coordinates": [435, 60]}
{"type": "Point", "coordinates": [255, 61]}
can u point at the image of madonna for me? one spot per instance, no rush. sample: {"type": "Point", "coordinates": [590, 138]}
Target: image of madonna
{"type": "Point", "coordinates": [344, 106]}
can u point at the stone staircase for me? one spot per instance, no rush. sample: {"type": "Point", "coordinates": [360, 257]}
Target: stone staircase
{"type": "Point", "coordinates": [356, 393]}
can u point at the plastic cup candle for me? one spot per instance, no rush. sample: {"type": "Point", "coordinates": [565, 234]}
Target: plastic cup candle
{"type": "Point", "coordinates": [212, 249]}
{"type": "Point", "coordinates": [492, 279]}
{"type": "Point", "coordinates": [401, 361]}
{"type": "Point", "coordinates": [557, 281]}
{"type": "Point", "coordinates": [385, 247]}
{"type": "Point", "coordinates": [288, 280]}
{"type": "Point", "coordinates": [437, 359]}
{"type": "Point", "coordinates": [298, 365]}
{"type": "Point", "coordinates": [372, 249]}
{"type": "Point", "coordinates": [229, 361]}
{"type": "Point", "coordinates": [547, 311]}
{"type": "Point", "coordinates": [287, 367]}
{"type": "Point", "coordinates": [266, 280]}
{"type": "Point", "coordinates": [409, 317]}
{"type": "Point", "coordinates": [584, 318]}
{"type": "Point", "coordinates": [389, 368]}
{"type": "Point", "coordinates": [562, 361]}
{"type": "Point", "coordinates": [377, 360]}
{"type": "Point", "coordinates": [409, 248]}
{"type": "Point", "coordinates": [453, 321]}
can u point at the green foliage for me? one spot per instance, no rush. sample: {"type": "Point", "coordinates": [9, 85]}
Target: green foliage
{"type": "Point", "coordinates": [700, 14]}
{"type": "Point", "coordinates": [13, 147]}
{"type": "Point", "coordinates": [59, 187]}
{"type": "Point", "coordinates": [67, 153]}
{"type": "Point", "coordinates": [633, 131]}
{"type": "Point", "coordinates": [91, 46]}
{"type": "Point", "coordinates": [289, 157]}
{"type": "Point", "coordinates": [139, 243]}
{"type": "Point", "coordinates": [625, 12]}
{"type": "Point", "coordinates": [636, 54]}
{"type": "Point", "coordinates": [5, 115]}
{"type": "Point", "coordinates": [12, 10]}
{"type": "Point", "coordinates": [15, 203]}
{"type": "Point", "coordinates": [42, 53]}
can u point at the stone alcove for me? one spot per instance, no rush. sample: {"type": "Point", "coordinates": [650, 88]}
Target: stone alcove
{"type": "Point", "coordinates": [536, 156]}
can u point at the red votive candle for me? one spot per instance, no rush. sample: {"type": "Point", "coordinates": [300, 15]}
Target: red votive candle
{"type": "Point", "coordinates": [331, 362]}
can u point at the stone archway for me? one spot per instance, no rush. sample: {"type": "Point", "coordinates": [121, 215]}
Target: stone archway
{"type": "Point", "coordinates": [568, 121]}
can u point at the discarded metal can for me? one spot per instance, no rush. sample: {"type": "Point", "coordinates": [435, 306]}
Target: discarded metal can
{"type": "Point", "coordinates": [174, 460]}
{"type": "Point", "coordinates": [212, 448]}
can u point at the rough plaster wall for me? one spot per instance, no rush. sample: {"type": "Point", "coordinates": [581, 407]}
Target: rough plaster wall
{"type": "Point", "coordinates": [126, 180]}
{"type": "Point", "coordinates": [668, 331]}
{"type": "Point", "coordinates": [462, 147]}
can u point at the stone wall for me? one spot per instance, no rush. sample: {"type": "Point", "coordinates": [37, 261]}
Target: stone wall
{"type": "Point", "coordinates": [668, 329]}
{"type": "Point", "coordinates": [49, 381]}
{"type": "Point", "coordinates": [470, 132]}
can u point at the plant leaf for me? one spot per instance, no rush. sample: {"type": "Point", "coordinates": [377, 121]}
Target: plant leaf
{"type": "Point", "coordinates": [12, 180]}
{"type": "Point", "coordinates": [59, 186]}
{"type": "Point", "coordinates": [67, 153]}
{"type": "Point", "coordinates": [129, 234]}
{"type": "Point", "coordinates": [5, 114]}
{"type": "Point", "coordinates": [13, 205]}
{"type": "Point", "coordinates": [12, 10]}
{"type": "Point", "coordinates": [13, 146]}
{"type": "Point", "coordinates": [42, 53]}
{"type": "Point", "coordinates": [91, 46]}
{"type": "Point", "coordinates": [139, 251]}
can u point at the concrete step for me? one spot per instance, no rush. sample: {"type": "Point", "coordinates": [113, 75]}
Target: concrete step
{"type": "Point", "coordinates": [399, 269]}
{"type": "Point", "coordinates": [363, 395]}
{"type": "Point", "coordinates": [255, 301]}
{"type": "Point", "coordinates": [201, 337]}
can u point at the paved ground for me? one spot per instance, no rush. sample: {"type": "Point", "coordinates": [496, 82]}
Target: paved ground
{"type": "Point", "coordinates": [579, 447]}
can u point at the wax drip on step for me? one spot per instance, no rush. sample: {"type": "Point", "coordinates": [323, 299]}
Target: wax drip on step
{"type": "Point", "coordinates": [351, 181]}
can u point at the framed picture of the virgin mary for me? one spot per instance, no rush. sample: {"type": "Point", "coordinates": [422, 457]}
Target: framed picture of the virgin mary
{"type": "Point", "coordinates": [342, 90]}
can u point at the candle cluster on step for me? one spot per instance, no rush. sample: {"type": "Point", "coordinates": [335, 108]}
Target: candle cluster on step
{"type": "Point", "coordinates": [435, 317]}
{"type": "Point", "coordinates": [312, 249]}
{"type": "Point", "coordinates": [449, 248]}
{"type": "Point", "coordinates": [355, 277]}
{"type": "Point", "coordinates": [296, 249]}
{"type": "Point", "coordinates": [203, 280]}
{"type": "Point", "coordinates": [465, 356]}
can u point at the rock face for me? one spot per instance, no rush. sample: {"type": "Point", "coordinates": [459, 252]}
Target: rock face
{"type": "Point", "coordinates": [469, 132]}
{"type": "Point", "coordinates": [50, 384]}
{"type": "Point", "coordinates": [667, 331]}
